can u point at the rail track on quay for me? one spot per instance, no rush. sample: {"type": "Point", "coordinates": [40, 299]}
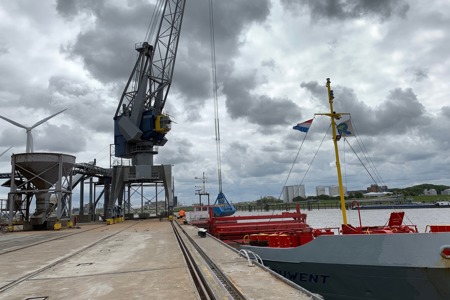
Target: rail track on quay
{"type": "Point", "coordinates": [140, 259]}
{"type": "Point", "coordinates": [48, 238]}
{"type": "Point", "coordinates": [225, 289]}
{"type": "Point", "coordinates": [34, 273]}
{"type": "Point", "coordinates": [196, 263]}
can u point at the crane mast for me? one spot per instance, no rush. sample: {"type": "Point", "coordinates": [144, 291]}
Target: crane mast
{"type": "Point", "coordinates": [140, 124]}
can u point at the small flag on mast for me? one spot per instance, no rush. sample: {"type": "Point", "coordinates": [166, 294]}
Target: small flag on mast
{"type": "Point", "coordinates": [303, 127]}
{"type": "Point", "coordinates": [345, 128]}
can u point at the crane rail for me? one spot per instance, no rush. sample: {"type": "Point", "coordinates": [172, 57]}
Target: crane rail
{"type": "Point", "coordinates": [200, 283]}
{"type": "Point", "coordinates": [204, 290]}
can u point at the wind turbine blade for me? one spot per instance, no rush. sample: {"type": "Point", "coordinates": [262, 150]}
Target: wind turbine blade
{"type": "Point", "coordinates": [14, 123]}
{"type": "Point", "coordinates": [46, 119]}
{"type": "Point", "coordinates": [5, 151]}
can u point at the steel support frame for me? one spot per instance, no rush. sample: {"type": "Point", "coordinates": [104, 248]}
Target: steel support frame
{"type": "Point", "coordinates": [26, 191]}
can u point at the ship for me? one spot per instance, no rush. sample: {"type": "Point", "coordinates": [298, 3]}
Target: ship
{"type": "Point", "coordinates": [392, 261]}
{"type": "Point", "coordinates": [438, 204]}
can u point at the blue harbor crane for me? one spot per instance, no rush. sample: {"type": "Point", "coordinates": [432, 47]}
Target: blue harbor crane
{"type": "Point", "coordinates": [140, 123]}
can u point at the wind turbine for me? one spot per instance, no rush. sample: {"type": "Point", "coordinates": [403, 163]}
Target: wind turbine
{"type": "Point", "coordinates": [28, 129]}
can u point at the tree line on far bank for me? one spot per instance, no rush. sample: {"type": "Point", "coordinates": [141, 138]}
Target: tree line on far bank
{"type": "Point", "coordinates": [416, 190]}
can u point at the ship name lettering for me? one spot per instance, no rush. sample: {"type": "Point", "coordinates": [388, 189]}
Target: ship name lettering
{"type": "Point", "coordinates": [304, 277]}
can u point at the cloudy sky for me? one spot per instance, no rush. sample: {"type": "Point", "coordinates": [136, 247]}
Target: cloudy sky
{"type": "Point", "coordinates": [388, 61]}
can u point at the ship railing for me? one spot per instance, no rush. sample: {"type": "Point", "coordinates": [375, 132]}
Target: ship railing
{"type": "Point", "coordinates": [437, 228]}
{"type": "Point", "coordinates": [251, 257]}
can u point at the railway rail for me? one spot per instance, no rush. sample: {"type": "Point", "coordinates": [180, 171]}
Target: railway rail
{"type": "Point", "coordinates": [34, 273]}
{"type": "Point", "coordinates": [227, 290]}
{"type": "Point", "coordinates": [135, 259]}
{"type": "Point", "coordinates": [41, 240]}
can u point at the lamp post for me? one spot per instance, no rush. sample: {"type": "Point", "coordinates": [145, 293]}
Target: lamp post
{"type": "Point", "coordinates": [202, 191]}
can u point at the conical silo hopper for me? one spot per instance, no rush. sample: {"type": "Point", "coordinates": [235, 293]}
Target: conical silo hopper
{"type": "Point", "coordinates": [43, 170]}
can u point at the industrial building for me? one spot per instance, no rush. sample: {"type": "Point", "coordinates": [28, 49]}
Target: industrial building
{"type": "Point", "coordinates": [292, 191]}
{"type": "Point", "coordinates": [332, 191]}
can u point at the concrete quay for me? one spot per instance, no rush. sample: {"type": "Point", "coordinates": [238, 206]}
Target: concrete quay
{"type": "Point", "coordinates": [138, 259]}
{"type": "Point", "coordinates": [253, 281]}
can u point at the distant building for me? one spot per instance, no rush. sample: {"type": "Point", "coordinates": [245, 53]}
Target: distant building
{"type": "Point", "coordinates": [446, 192]}
{"type": "Point", "coordinates": [375, 188]}
{"type": "Point", "coordinates": [429, 192]}
{"type": "Point", "coordinates": [334, 190]}
{"type": "Point", "coordinates": [292, 191]}
{"type": "Point", "coordinates": [321, 190]}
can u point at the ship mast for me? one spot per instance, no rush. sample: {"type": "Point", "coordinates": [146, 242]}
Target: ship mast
{"type": "Point", "coordinates": [336, 116]}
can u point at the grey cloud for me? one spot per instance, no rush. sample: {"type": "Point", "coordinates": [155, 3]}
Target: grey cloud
{"type": "Point", "coordinates": [70, 9]}
{"type": "Point", "coordinates": [268, 111]}
{"type": "Point", "coordinates": [400, 111]}
{"type": "Point", "coordinates": [346, 9]}
{"type": "Point", "coordinates": [250, 162]}
{"type": "Point", "coordinates": [107, 49]}
{"type": "Point", "coordinates": [67, 8]}
{"type": "Point", "coordinates": [445, 110]}
{"type": "Point", "coordinates": [270, 63]}
{"type": "Point", "coordinates": [424, 36]}
{"type": "Point", "coordinates": [257, 109]}
{"type": "Point", "coordinates": [35, 98]}
{"type": "Point", "coordinates": [333, 44]}
{"type": "Point", "coordinates": [317, 91]}
{"type": "Point", "coordinates": [437, 132]}
{"type": "Point", "coordinates": [105, 45]}
{"type": "Point", "coordinates": [63, 138]}
{"type": "Point", "coordinates": [13, 136]}
{"type": "Point", "coordinates": [238, 97]}
{"type": "Point", "coordinates": [193, 68]}
{"type": "Point", "coordinates": [417, 74]}
{"type": "Point", "coordinates": [230, 19]}
{"type": "Point", "coordinates": [46, 137]}
{"type": "Point", "coordinates": [420, 74]}
{"type": "Point", "coordinates": [3, 49]}
{"type": "Point", "coordinates": [177, 151]}
{"type": "Point", "coordinates": [86, 108]}
{"type": "Point", "coordinates": [108, 58]}
{"type": "Point", "coordinates": [397, 114]}
{"type": "Point", "coordinates": [68, 86]}
{"type": "Point", "coordinates": [108, 54]}
{"type": "Point", "coordinates": [192, 80]}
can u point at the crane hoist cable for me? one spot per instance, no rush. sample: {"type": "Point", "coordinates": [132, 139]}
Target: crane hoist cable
{"type": "Point", "coordinates": [216, 105]}
{"type": "Point", "coordinates": [152, 27]}
{"type": "Point", "coordinates": [221, 207]}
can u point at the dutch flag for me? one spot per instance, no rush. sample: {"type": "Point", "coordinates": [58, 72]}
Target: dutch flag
{"type": "Point", "coordinates": [303, 127]}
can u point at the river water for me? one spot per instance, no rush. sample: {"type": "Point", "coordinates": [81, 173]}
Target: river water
{"type": "Point", "coordinates": [421, 217]}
